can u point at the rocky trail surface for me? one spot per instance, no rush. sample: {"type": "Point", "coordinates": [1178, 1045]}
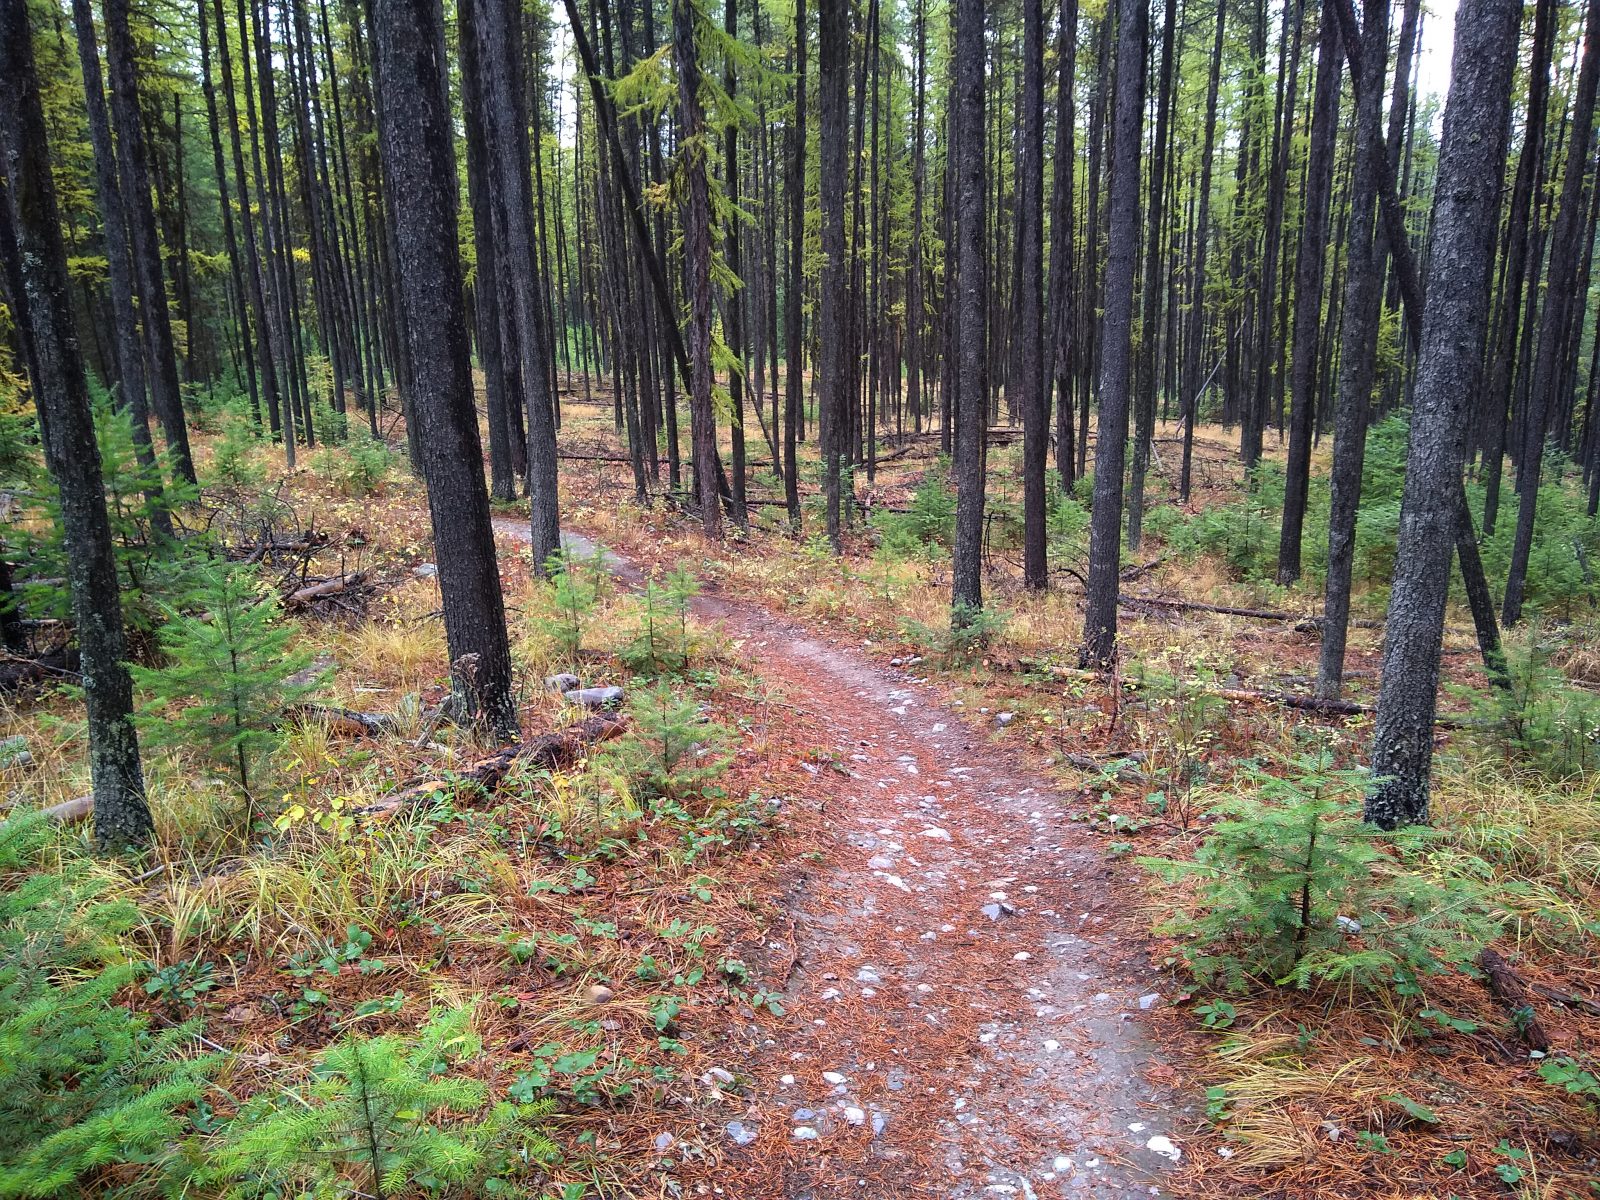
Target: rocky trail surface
{"type": "Point", "coordinates": [962, 1022]}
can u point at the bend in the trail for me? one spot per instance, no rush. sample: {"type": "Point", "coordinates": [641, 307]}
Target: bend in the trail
{"type": "Point", "coordinates": [963, 1023]}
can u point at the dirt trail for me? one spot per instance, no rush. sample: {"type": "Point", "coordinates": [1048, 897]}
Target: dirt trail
{"type": "Point", "coordinates": [961, 1023]}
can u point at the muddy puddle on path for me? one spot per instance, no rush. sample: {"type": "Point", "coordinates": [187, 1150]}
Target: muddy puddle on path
{"type": "Point", "coordinates": [963, 1022]}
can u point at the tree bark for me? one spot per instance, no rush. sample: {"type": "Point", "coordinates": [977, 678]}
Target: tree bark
{"type": "Point", "coordinates": [1358, 342]}
{"type": "Point", "coordinates": [35, 264]}
{"type": "Point", "coordinates": [1455, 320]}
{"type": "Point", "coordinates": [972, 298]}
{"type": "Point", "coordinates": [1560, 296]}
{"type": "Point", "coordinates": [415, 129]}
{"type": "Point", "coordinates": [1033, 393]}
{"type": "Point", "coordinates": [1105, 527]}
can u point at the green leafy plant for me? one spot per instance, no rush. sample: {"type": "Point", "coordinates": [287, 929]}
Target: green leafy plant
{"type": "Point", "coordinates": [228, 674]}
{"type": "Point", "coordinates": [661, 643]}
{"type": "Point", "coordinates": [1293, 886]}
{"type": "Point", "coordinates": [85, 1084]}
{"type": "Point", "coordinates": [575, 584]}
{"type": "Point", "coordinates": [387, 1109]}
{"type": "Point", "coordinates": [671, 748]}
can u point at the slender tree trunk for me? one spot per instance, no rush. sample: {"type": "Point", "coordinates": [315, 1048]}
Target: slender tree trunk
{"type": "Point", "coordinates": [1105, 528]}
{"type": "Point", "coordinates": [1466, 211]}
{"type": "Point", "coordinates": [1358, 344]}
{"type": "Point", "coordinates": [1560, 296]}
{"type": "Point", "coordinates": [833, 310]}
{"type": "Point", "coordinates": [1150, 297]}
{"type": "Point", "coordinates": [971, 308]}
{"type": "Point", "coordinates": [1033, 393]}
{"type": "Point", "coordinates": [35, 272]}
{"type": "Point", "coordinates": [132, 161]}
{"type": "Point", "coordinates": [1314, 240]}
{"type": "Point", "coordinates": [415, 129]}
{"type": "Point", "coordinates": [499, 61]}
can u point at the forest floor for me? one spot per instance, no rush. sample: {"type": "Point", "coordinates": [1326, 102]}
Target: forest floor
{"type": "Point", "coordinates": [895, 939]}
{"type": "Point", "coordinates": [966, 1019]}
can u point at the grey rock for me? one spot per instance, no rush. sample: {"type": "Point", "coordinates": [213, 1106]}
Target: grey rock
{"type": "Point", "coordinates": [1146, 1003]}
{"type": "Point", "coordinates": [595, 697]}
{"type": "Point", "coordinates": [1003, 719]}
{"type": "Point", "coordinates": [664, 1142]}
{"type": "Point", "coordinates": [426, 571]}
{"type": "Point", "coordinates": [804, 1114]}
{"type": "Point", "coordinates": [562, 683]}
{"type": "Point", "coordinates": [999, 908]}
{"type": "Point", "coordinates": [804, 1133]}
{"type": "Point", "coordinates": [739, 1133]}
{"type": "Point", "coordinates": [1349, 924]}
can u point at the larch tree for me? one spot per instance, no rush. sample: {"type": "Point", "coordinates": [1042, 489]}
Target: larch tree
{"type": "Point", "coordinates": [133, 164]}
{"type": "Point", "coordinates": [1455, 320]}
{"type": "Point", "coordinates": [972, 303]}
{"type": "Point", "coordinates": [1358, 346]}
{"type": "Point", "coordinates": [1560, 297]}
{"type": "Point", "coordinates": [35, 263]}
{"type": "Point", "coordinates": [1116, 351]}
{"type": "Point", "coordinates": [1028, 325]}
{"type": "Point", "coordinates": [833, 65]}
{"type": "Point", "coordinates": [693, 146]}
{"type": "Point", "coordinates": [414, 123]}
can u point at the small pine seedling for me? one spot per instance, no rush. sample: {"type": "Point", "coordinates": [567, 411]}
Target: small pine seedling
{"type": "Point", "coordinates": [228, 674]}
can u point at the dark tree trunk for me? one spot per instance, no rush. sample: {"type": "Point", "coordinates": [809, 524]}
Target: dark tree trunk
{"type": "Point", "coordinates": [1358, 343]}
{"type": "Point", "coordinates": [1495, 394]}
{"type": "Point", "coordinates": [1150, 296]}
{"type": "Point", "coordinates": [129, 355]}
{"type": "Point", "coordinates": [132, 160]}
{"type": "Point", "coordinates": [833, 310]}
{"type": "Point", "coordinates": [1122, 215]}
{"type": "Point", "coordinates": [1466, 211]}
{"type": "Point", "coordinates": [1061, 346]}
{"type": "Point", "coordinates": [1560, 297]}
{"type": "Point", "coordinates": [697, 265]}
{"type": "Point", "coordinates": [1314, 240]}
{"type": "Point", "coordinates": [35, 265]}
{"type": "Point", "coordinates": [1031, 390]}
{"type": "Point", "coordinates": [415, 129]}
{"type": "Point", "coordinates": [499, 62]}
{"type": "Point", "coordinates": [795, 189]}
{"type": "Point", "coordinates": [1194, 373]}
{"type": "Point", "coordinates": [488, 306]}
{"type": "Point", "coordinates": [972, 389]}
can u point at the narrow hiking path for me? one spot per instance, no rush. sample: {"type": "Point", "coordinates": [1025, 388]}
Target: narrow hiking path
{"type": "Point", "coordinates": [961, 1022]}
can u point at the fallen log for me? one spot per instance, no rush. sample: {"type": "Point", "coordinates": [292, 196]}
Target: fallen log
{"type": "Point", "coordinates": [1568, 999]}
{"type": "Point", "coordinates": [17, 672]}
{"type": "Point", "coordinates": [555, 750]}
{"type": "Point", "coordinates": [304, 597]}
{"type": "Point", "coordinates": [1512, 993]}
{"type": "Point", "coordinates": [346, 722]}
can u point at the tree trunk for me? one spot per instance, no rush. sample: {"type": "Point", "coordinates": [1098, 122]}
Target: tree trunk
{"type": "Point", "coordinates": [132, 159]}
{"type": "Point", "coordinates": [1314, 240]}
{"type": "Point", "coordinates": [1032, 392]}
{"type": "Point", "coordinates": [972, 389]}
{"type": "Point", "coordinates": [35, 264]}
{"type": "Point", "coordinates": [415, 128]}
{"type": "Point", "coordinates": [1466, 211]}
{"type": "Point", "coordinates": [1358, 343]}
{"type": "Point", "coordinates": [1105, 527]}
{"type": "Point", "coordinates": [834, 396]}
{"type": "Point", "coordinates": [1560, 296]}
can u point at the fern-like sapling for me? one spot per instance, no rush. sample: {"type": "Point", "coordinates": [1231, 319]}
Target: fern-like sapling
{"type": "Point", "coordinates": [662, 644]}
{"type": "Point", "coordinates": [85, 1084]}
{"type": "Point", "coordinates": [1293, 886]}
{"type": "Point", "coordinates": [385, 1111]}
{"type": "Point", "coordinates": [671, 748]}
{"type": "Point", "coordinates": [228, 674]}
{"type": "Point", "coordinates": [575, 586]}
